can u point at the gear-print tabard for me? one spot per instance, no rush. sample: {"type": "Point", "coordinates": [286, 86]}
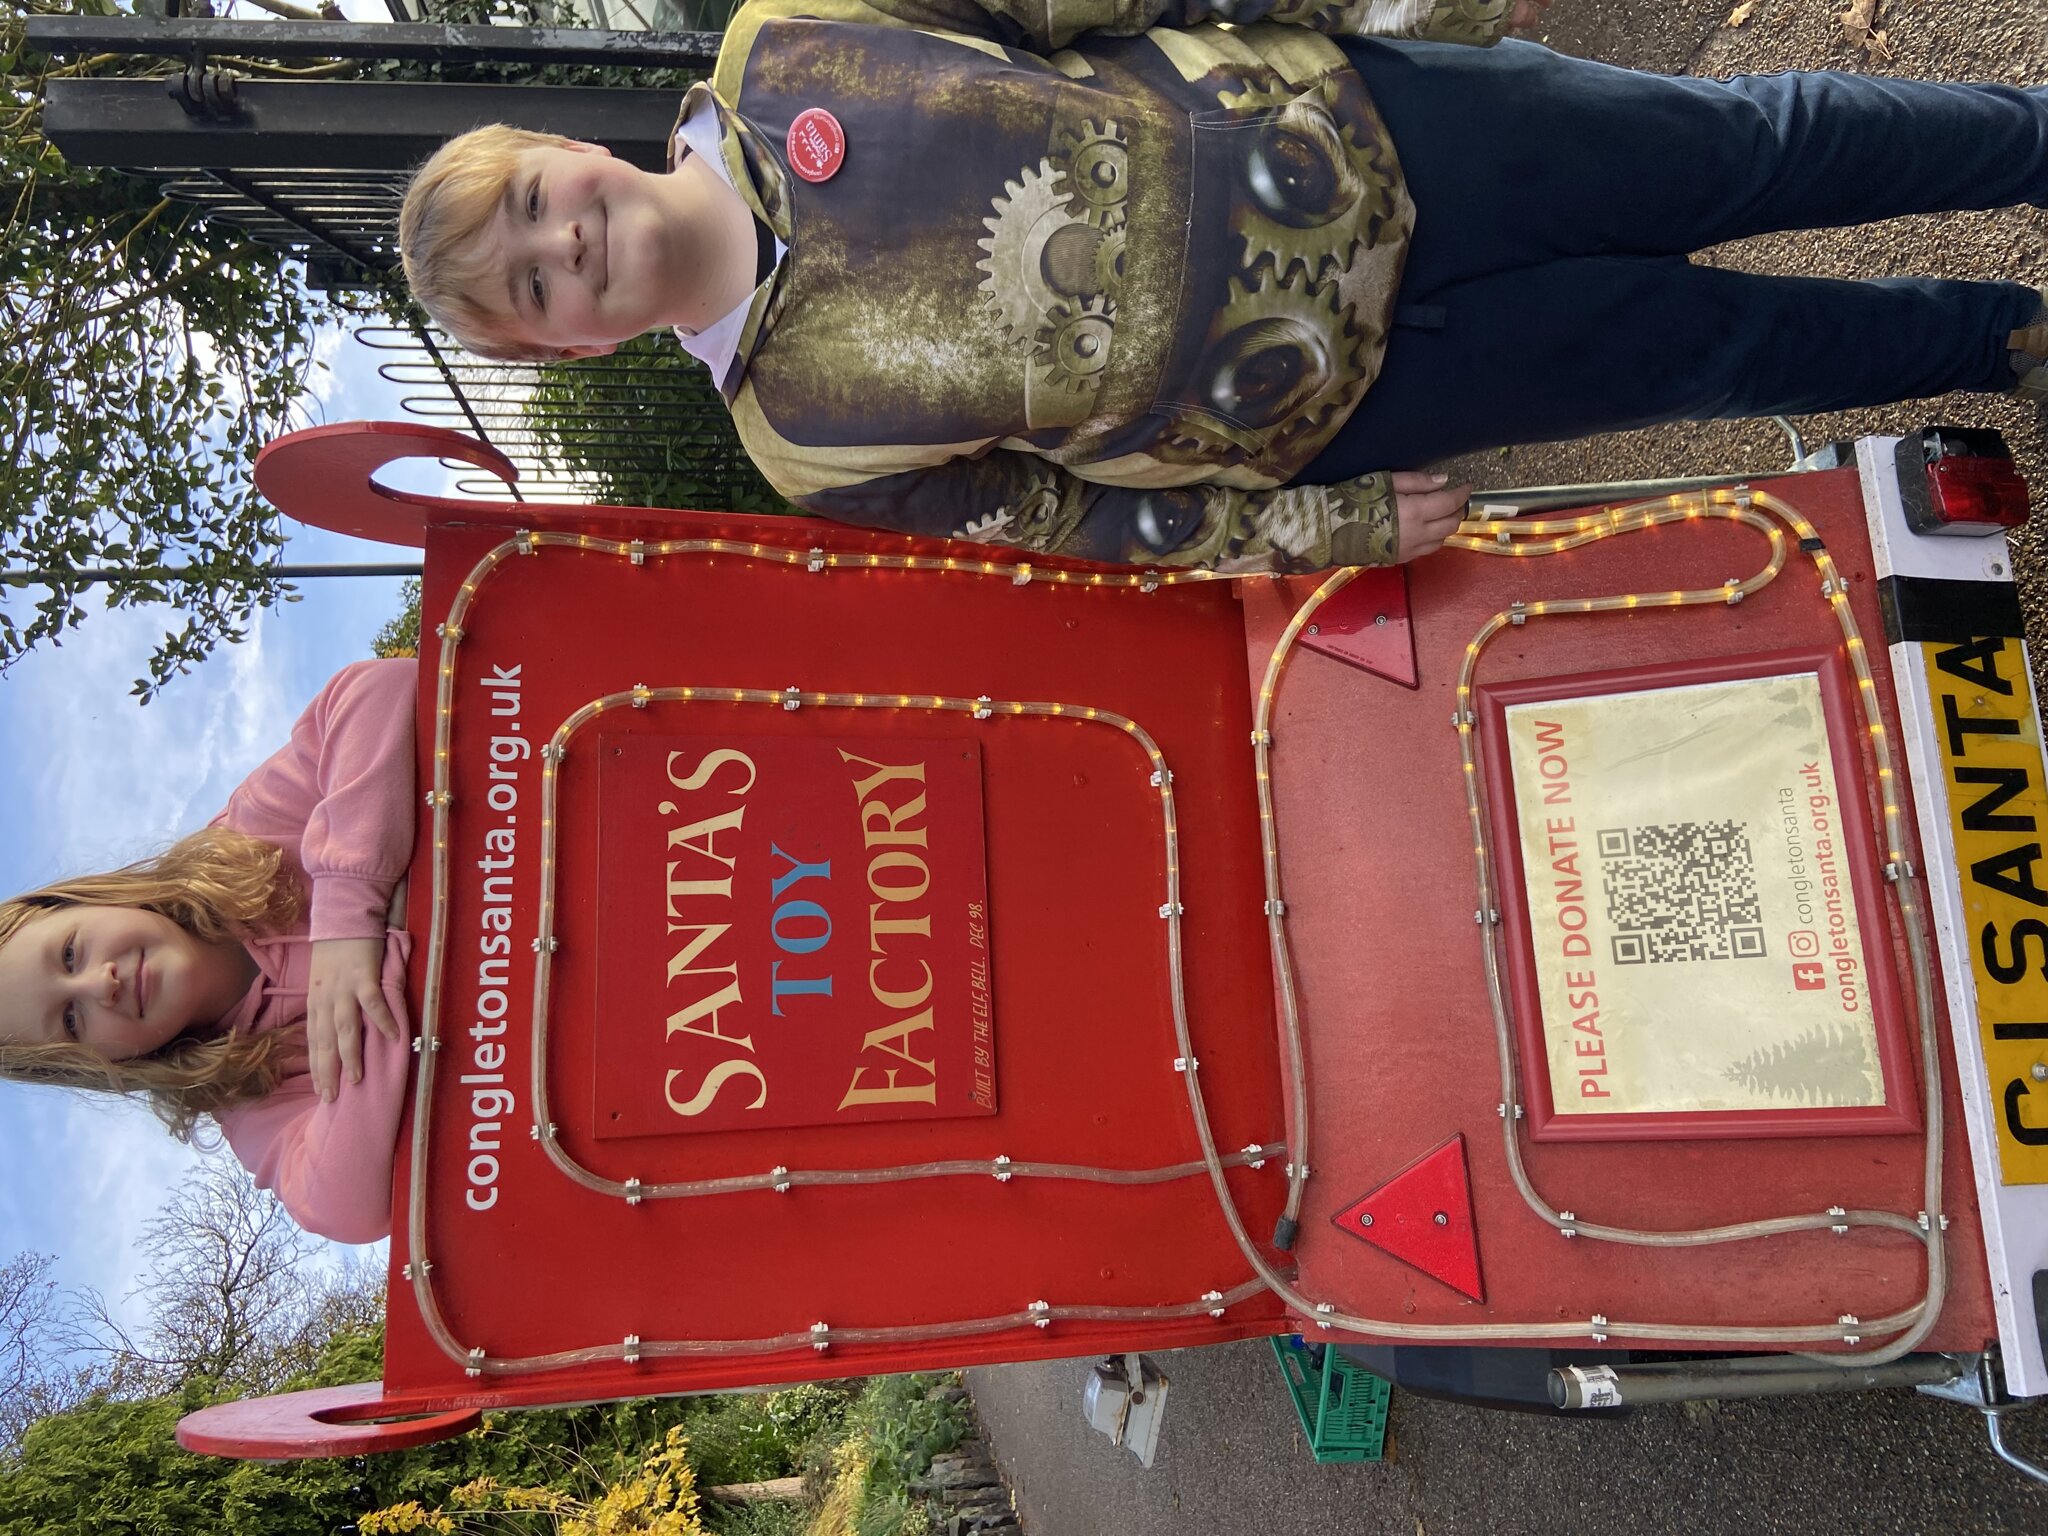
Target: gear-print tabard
{"type": "Point", "coordinates": [1102, 300]}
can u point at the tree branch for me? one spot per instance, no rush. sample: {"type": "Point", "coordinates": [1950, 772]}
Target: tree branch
{"type": "Point", "coordinates": [158, 289]}
{"type": "Point", "coordinates": [288, 11]}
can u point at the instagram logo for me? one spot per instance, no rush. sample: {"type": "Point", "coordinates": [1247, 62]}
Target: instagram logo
{"type": "Point", "coordinates": [1802, 943]}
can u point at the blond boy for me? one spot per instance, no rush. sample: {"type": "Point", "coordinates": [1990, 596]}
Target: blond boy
{"type": "Point", "coordinates": [1099, 278]}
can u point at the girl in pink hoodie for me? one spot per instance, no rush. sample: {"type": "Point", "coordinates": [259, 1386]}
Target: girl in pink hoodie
{"type": "Point", "coordinates": [231, 976]}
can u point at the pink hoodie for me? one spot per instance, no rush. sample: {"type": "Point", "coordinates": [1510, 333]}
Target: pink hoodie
{"type": "Point", "coordinates": [339, 800]}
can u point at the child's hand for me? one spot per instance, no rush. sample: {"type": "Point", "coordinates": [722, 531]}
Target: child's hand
{"type": "Point", "coordinates": [1429, 512]}
{"type": "Point", "coordinates": [345, 987]}
{"type": "Point", "coordinates": [1527, 14]}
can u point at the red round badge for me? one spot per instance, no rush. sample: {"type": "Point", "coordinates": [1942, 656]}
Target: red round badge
{"type": "Point", "coordinates": [817, 145]}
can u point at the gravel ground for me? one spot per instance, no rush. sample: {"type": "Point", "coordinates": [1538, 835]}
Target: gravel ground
{"type": "Point", "coordinates": [2004, 40]}
{"type": "Point", "coordinates": [1232, 1461]}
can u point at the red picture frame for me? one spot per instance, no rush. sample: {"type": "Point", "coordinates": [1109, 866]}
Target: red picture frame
{"type": "Point", "coordinates": [1899, 1114]}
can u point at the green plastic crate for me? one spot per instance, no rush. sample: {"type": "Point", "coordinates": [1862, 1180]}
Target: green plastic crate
{"type": "Point", "coordinates": [1342, 1406]}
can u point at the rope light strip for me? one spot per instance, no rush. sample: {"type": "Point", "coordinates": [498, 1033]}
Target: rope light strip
{"type": "Point", "coordinates": [1763, 512]}
{"type": "Point", "coordinates": [1533, 538]}
{"type": "Point", "coordinates": [779, 1179]}
{"type": "Point", "coordinates": [1041, 1314]}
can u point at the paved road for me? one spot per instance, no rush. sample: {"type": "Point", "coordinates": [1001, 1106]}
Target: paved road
{"type": "Point", "coordinates": [1232, 1462]}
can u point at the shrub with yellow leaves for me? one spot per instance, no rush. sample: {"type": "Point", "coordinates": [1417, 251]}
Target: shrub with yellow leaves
{"type": "Point", "coordinates": [659, 1499]}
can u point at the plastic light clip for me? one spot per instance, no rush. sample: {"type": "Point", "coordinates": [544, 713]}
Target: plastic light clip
{"type": "Point", "coordinates": [1001, 1170]}
{"type": "Point", "coordinates": [1215, 1300]}
{"type": "Point", "coordinates": [821, 1337]}
{"type": "Point", "coordinates": [1041, 1314]}
{"type": "Point", "coordinates": [629, 1349]}
{"type": "Point", "coordinates": [633, 1196]}
{"type": "Point", "coordinates": [1841, 1226]}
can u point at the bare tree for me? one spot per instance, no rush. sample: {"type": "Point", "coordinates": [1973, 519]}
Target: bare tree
{"type": "Point", "coordinates": [231, 1292]}
{"type": "Point", "coordinates": [31, 1317]}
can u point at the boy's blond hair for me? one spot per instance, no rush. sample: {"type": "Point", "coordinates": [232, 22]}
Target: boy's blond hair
{"type": "Point", "coordinates": [440, 234]}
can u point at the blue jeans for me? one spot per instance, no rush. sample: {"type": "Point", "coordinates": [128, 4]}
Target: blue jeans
{"type": "Point", "coordinates": [1547, 293]}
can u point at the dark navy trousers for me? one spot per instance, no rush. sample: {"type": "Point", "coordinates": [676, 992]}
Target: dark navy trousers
{"type": "Point", "coordinates": [1547, 293]}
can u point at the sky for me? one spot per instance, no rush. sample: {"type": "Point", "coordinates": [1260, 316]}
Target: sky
{"type": "Point", "coordinates": [91, 780]}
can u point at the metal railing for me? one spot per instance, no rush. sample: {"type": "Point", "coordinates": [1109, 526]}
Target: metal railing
{"type": "Point", "coordinates": [344, 223]}
{"type": "Point", "coordinates": [595, 429]}
{"type": "Point", "coordinates": [318, 168]}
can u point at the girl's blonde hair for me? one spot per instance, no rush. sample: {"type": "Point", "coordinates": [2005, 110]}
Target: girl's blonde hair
{"type": "Point", "coordinates": [218, 885]}
{"type": "Point", "coordinates": [440, 234]}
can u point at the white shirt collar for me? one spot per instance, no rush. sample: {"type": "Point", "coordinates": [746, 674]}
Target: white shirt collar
{"type": "Point", "coordinates": [719, 343]}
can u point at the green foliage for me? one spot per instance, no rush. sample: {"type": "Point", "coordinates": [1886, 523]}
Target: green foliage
{"type": "Point", "coordinates": [747, 1437]}
{"type": "Point", "coordinates": [809, 1411]}
{"type": "Point", "coordinates": [146, 356]}
{"type": "Point", "coordinates": [895, 1428]}
{"type": "Point", "coordinates": [647, 428]}
{"type": "Point", "coordinates": [905, 1428]}
{"type": "Point", "coordinates": [733, 1440]}
{"type": "Point", "coordinates": [114, 1467]}
{"type": "Point", "coordinates": [401, 636]}
{"type": "Point", "coordinates": [769, 1517]}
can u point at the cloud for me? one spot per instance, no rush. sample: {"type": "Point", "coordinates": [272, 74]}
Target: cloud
{"type": "Point", "coordinates": [109, 779]}
{"type": "Point", "coordinates": [331, 342]}
{"type": "Point", "coordinates": [123, 1182]}
{"type": "Point", "coordinates": [92, 780]}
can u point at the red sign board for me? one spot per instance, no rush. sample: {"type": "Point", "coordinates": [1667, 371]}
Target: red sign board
{"type": "Point", "coordinates": [801, 932]}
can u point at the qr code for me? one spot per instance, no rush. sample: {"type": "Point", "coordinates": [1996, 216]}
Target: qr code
{"type": "Point", "coordinates": [1685, 890]}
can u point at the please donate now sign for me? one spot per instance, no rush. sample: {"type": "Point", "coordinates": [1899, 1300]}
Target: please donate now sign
{"type": "Point", "coordinates": [794, 932]}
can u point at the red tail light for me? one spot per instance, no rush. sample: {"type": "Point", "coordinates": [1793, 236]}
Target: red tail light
{"type": "Point", "coordinates": [1960, 480]}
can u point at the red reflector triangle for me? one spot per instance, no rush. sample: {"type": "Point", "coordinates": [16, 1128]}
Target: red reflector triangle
{"type": "Point", "coordinates": [1366, 624]}
{"type": "Point", "coordinates": [1423, 1217]}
